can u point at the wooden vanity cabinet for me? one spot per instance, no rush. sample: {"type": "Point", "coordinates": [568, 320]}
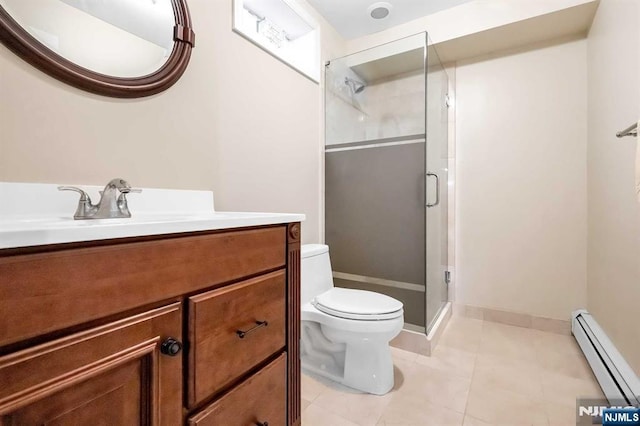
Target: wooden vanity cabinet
{"type": "Point", "coordinates": [197, 329]}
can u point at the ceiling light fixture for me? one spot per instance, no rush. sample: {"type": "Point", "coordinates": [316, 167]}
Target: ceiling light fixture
{"type": "Point", "coordinates": [380, 10]}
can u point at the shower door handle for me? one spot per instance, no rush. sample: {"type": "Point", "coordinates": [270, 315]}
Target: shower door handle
{"type": "Point", "coordinates": [437, 189]}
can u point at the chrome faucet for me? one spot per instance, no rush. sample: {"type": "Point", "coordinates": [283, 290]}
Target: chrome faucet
{"type": "Point", "coordinates": [112, 204]}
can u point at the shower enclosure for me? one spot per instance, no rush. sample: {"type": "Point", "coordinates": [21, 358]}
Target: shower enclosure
{"type": "Point", "coordinates": [386, 175]}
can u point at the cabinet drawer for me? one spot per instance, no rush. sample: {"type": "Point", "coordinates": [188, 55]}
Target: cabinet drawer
{"type": "Point", "coordinates": [259, 399]}
{"type": "Point", "coordinates": [40, 292]}
{"type": "Point", "coordinates": [220, 353]}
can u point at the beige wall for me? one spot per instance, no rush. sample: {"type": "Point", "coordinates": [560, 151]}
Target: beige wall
{"type": "Point", "coordinates": [239, 122]}
{"type": "Point", "coordinates": [614, 210]}
{"type": "Point", "coordinates": [521, 127]}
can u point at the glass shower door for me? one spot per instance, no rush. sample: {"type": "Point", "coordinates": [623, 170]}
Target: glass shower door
{"type": "Point", "coordinates": [386, 175]}
{"type": "Point", "coordinates": [375, 163]}
{"type": "Point", "coordinates": [437, 187]}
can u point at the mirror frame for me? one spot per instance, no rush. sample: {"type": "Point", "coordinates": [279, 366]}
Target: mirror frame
{"type": "Point", "coordinates": [27, 47]}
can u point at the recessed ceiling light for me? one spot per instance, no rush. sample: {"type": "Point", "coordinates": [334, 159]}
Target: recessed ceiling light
{"type": "Point", "coordinates": [379, 10]}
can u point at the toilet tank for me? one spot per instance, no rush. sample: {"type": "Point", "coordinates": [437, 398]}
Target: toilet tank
{"type": "Point", "coordinates": [315, 272]}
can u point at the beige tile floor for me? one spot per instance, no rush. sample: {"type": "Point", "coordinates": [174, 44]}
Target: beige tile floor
{"type": "Point", "coordinates": [481, 373]}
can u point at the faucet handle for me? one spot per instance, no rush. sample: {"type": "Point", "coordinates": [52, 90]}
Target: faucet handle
{"type": "Point", "coordinates": [83, 195]}
{"type": "Point", "coordinates": [85, 207]}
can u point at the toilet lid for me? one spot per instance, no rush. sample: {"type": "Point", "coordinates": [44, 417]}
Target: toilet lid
{"type": "Point", "coordinates": [357, 304]}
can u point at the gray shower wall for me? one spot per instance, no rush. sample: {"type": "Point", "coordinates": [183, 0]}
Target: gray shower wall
{"type": "Point", "coordinates": [375, 220]}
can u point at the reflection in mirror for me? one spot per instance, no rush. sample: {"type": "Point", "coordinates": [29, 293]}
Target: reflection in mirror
{"type": "Point", "coordinates": [120, 38]}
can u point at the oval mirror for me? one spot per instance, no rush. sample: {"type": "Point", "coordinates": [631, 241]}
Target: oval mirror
{"type": "Point", "coordinates": [120, 48]}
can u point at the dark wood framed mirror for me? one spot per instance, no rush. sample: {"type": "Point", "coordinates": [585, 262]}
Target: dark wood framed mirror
{"type": "Point", "coordinates": [118, 48]}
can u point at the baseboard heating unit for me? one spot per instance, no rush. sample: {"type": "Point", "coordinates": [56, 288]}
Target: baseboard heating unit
{"type": "Point", "coordinates": [616, 378]}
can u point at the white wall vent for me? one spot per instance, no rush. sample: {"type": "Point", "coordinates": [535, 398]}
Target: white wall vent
{"type": "Point", "coordinates": [617, 380]}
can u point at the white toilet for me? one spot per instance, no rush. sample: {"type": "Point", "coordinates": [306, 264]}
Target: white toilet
{"type": "Point", "coordinates": [346, 333]}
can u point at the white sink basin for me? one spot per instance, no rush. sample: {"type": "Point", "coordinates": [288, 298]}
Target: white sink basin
{"type": "Point", "coordinates": [34, 231]}
{"type": "Point", "coordinates": [19, 229]}
{"type": "Point", "coordinates": [38, 222]}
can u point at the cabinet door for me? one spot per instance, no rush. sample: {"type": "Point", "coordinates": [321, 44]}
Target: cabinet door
{"type": "Point", "coordinates": [115, 374]}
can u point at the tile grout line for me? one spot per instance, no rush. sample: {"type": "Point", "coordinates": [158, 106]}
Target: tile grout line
{"type": "Point", "coordinates": [473, 372]}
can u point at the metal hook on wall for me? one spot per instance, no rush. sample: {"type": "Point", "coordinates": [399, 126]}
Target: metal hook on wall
{"type": "Point", "coordinates": [629, 131]}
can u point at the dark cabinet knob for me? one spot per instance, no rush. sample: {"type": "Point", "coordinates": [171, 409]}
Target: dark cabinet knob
{"type": "Point", "coordinates": [262, 423]}
{"type": "Point", "coordinates": [171, 347]}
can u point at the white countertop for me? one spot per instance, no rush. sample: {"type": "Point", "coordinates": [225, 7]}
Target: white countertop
{"type": "Point", "coordinates": [23, 222]}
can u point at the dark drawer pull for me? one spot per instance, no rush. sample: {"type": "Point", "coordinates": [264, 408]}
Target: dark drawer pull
{"type": "Point", "coordinates": [259, 324]}
{"type": "Point", "coordinates": [262, 423]}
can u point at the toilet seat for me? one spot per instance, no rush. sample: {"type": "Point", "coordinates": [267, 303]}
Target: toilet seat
{"type": "Point", "coordinates": [357, 304]}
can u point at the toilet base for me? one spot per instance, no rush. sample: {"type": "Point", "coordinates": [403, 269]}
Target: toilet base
{"type": "Point", "coordinates": [319, 355]}
{"type": "Point", "coordinates": [368, 369]}
{"type": "Point", "coordinates": [364, 364]}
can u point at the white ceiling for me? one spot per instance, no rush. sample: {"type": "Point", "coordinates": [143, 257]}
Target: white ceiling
{"type": "Point", "coordinates": [351, 18]}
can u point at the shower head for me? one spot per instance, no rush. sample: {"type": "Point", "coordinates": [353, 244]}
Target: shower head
{"type": "Point", "coordinates": [354, 85]}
